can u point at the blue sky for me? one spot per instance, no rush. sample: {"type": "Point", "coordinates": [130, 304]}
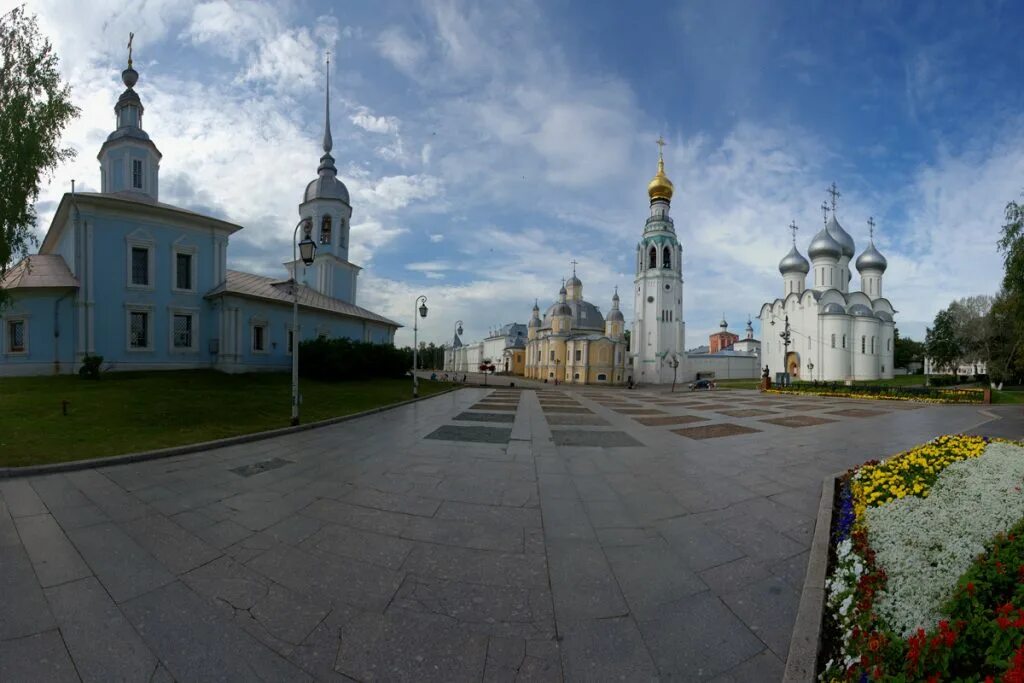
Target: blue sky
{"type": "Point", "coordinates": [488, 144]}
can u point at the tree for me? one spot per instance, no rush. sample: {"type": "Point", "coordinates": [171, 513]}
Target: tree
{"type": "Point", "coordinates": [906, 350]}
{"type": "Point", "coordinates": [35, 106]}
{"type": "Point", "coordinates": [1007, 324]}
{"type": "Point", "coordinates": [940, 341]}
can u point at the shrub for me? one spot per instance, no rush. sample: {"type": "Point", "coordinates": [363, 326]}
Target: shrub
{"type": "Point", "coordinates": [90, 367]}
{"type": "Point", "coordinates": [344, 359]}
{"type": "Point", "coordinates": [899, 392]}
{"type": "Point", "coordinates": [942, 380]}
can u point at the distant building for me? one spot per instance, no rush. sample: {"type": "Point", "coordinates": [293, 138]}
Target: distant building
{"type": "Point", "coordinates": [962, 368]}
{"type": "Point", "coordinates": [748, 344]}
{"type": "Point", "coordinates": [504, 348]}
{"type": "Point", "coordinates": [723, 339]}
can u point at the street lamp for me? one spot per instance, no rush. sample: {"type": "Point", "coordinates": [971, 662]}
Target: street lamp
{"type": "Point", "coordinates": [786, 337]}
{"type": "Point", "coordinates": [458, 333]}
{"type": "Point", "coordinates": [307, 250]}
{"type": "Point", "coordinates": [674, 364]}
{"type": "Point", "coordinates": [419, 307]}
{"type": "Point", "coordinates": [810, 369]}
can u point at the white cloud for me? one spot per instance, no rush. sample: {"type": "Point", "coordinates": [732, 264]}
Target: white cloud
{"type": "Point", "coordinates": [231, 28]}
{"type": "Point", "coordinates": [374, 124]}
{"type": "Point", "coordinates": [436, 237]}
{"type": "Point", "coordinates": [402, 50]}
{"type": "Point", "coordinates": [396, 192]}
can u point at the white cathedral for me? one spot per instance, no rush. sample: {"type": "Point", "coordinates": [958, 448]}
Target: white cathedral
{"type": "Point", "coordinates": [830, 332]}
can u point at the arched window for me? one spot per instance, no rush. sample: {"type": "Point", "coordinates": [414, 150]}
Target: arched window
{"type": "Point", "coordinates": [863, 343]}
{"type": "Point", "coordinates": [872, 343]}
{"type": "Point", "coordinates": [833, 341]}
{"type": "Point", "coordinates": [666, 258]}
{"type": "Point", "coordinates": [653, 258]}
{"type": "Point", "coordinates": [844, 341]}
{"type": "Point", "coordinates": [325, 230]}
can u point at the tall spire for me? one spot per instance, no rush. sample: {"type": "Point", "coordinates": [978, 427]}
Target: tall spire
{"type": "Point", "coordinates": [328, 142]}
{"type": "Point", "coordinates": [660, 186]}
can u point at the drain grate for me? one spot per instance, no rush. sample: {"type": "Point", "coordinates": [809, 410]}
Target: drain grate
{"type": "Point", "coordinates": [263, 466]}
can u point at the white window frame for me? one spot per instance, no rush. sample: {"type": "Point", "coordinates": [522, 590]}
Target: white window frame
{"type": "Point", "coordinates": [192, 313]}
{"type": "Point", "coordinates": [253, 324]}
{"type": "Point", "coordinates": [5, 333]}
{"type": "Point", "coordinates": [138, 308]}
{"type": "Point", "coordinates": [150, 247]}
{"type": "Point", "coordinates": [193, 253]}
{"type": "Point", "coordinates": [142, 173]}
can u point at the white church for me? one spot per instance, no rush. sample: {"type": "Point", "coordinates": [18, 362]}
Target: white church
{"type": "Point", "coordinates": [830, 332]}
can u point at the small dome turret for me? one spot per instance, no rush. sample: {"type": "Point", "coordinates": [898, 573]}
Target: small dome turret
{"type": "Point", "coordinates": [794, 262]}
{"type": "Point", "coordinates": [825, 246]}
{"type": "Point", "coordinates": [326, 185]}
{"type": "Point", "coordinates": [660, 186]}
{"type": "Point", "coordinates": [871, 259]}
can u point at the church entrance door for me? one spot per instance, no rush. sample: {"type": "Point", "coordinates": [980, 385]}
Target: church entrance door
{"type": "Point", "coordinates": [793, 364]}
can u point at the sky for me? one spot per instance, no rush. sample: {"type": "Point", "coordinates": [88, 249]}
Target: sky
{"type": "Point", "coordinates": [487, 145]}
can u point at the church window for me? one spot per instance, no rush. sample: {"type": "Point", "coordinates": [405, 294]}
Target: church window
{"type": "Point", "coordinates": [552, 355]}
{"type": "Point", "coordinates": [16, 336]}
{"type": "Point", "coordinates": [291, 340]}
{"type": "Point", "coordinates": [888, 344]}
{"type": "Point", "coordinates": [833, 341]}
{"type": "Point", "coordinates": [325, 230]}
{"type": "Point", "coordinates": [844, 341]}
{"type": "Point", "coordinates": [602, 377]}
{"type": "Point", "coordinates": [666, 258]}
{"type": "Point", "coordinates": [618, 357]}
{"type": "Point", "coordinates": [138, 331]}
{"type": "Point", "coordinates": [576, 375]}
{"type": "Point", "coordinates": [653, 260]}
{"type": "Point", "coordinates": [137, 174]}
{"type": "Point", "coordinates": [183, 271]}
{"type": "Point", "coordinates": [579, 355]}
{"type": "Point", "coordinates": [181, 331]}
{"type": "Point", "coordinates": [872, 344]}
{"type": "Point", "coordinates": [140, 266]}
{"type": "Point", "coordinates": [863, 343]}
{"type": "Point", "coordinates": [259, 338]}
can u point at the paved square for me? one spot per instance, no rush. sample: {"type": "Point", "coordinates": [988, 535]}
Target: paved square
{"type": "Point", "coordinates": [669, 420]}
{"type": "Point", "coordinates": [471, 416]}
{"type": "Point", "coordinates": [589, 437]}
{"type": "Point", "coordinates": [857, 412]}
{"type": "Point", "coordinates": [714, 431]}
{"type": "Point", "coordinates": [746, 412]}
{"type": "Point", "coordinates": [413, 544]}
{"type": "Point", "coordinates": [470, 434]}
{"type": "Point", "coordinates": [639, 411]}
{"type": "Point", "coordinates": [797, 421]}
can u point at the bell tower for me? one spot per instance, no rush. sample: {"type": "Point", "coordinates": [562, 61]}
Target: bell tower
{"type": "Point", "coordinates": [659, 333]}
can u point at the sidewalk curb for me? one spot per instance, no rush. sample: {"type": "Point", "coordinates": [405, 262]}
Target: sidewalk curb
{"type": "Point", "coordinates": [143, 456]}
{"type": "Point", "coordinates": [804, 644]}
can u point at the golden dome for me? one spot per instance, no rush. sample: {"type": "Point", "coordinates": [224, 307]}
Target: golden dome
{"type": "Point", "coordinates": [660, 186]}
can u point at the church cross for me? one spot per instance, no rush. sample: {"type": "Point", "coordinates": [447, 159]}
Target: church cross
{"type": "Point", "coordinates": [832, 190]}
{"type": "Point", "coordinates": [131, 37]}
{"type": "Point", "coordinates": [573, 262]}
{"type": "Point", "coordinates": [824, 212]}
{"type": "Point", "coordinates": [661, 144]}
{"type": "Point", "coordinates": [793, 229]}
{"type": "Point", "coordinates": [871, 228]}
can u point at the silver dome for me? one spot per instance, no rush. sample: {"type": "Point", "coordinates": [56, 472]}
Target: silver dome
{"type": "Point", "coordinates": [534, 322]}
{"type": "Point", "coordinates": [825, 246]}
{"type": "Point", "coordinates": [615, 315]}
{"type": "Point", "coordinates": [326, 187]}
{"type": "Point", "coordinates": [794, 262]}
{"type": "Point", "coordinates": [833, 309]}
{"type": "Point", "coordinates": [861, 311]}
{"type": "Point", "coordinates": [872, 259]}
{"type": "Point", "coordinates": [841, 236]}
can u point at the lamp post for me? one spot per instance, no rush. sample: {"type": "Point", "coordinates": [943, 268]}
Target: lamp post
{"type": "Point", "coordinates": [420, 308]}
{"type": "Point", "coordinates": [674, 364]}
{"type": "Point", "coordinates": [307, 249]}
{"type": "Point", "coordinates": [786, 337]}
{"type": "Point", "coordinates": [810, 369]}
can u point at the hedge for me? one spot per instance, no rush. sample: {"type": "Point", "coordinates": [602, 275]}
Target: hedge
{"type": "Point", "coordinates": [344, 359]}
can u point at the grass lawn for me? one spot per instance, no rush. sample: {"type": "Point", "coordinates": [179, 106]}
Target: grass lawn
{"type": "Point", "coordinates": [137, 411]}
{"type": "Point", "coordinates": [737, 383]}
{"type": "Point", "coordinates": [1009, 395]}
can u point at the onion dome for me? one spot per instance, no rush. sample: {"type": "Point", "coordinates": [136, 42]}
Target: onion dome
{"type": "Point", "coordinates": [871, 259]}
{"type": "Point", "coordinates": [794, 262]}
{"type": "Point", "coordinates": [861, 311]}
{"type": "Point", "coordinates": [327, 185]}
{"type": "Point", "coordinates": [562, 292]}
{"type": "Point", "coordinates": [825, 246]}
{"type": "Point", "coordinates": [534, 322]}
{"type": "Point", "coordinates": [840, 235]}
{"type": "Point", "coordinates": [660, 186]}
{"type": "Point", "coordinates": [561, 308]}
{"type": "Point", "coordinates": [615, 315]}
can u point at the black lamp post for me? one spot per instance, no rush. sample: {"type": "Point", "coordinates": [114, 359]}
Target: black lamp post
{"type": "Point", "coordinates": [307, 251]}
{"type": "Point", "coordinates": [786, 338]}
{"type": "Point", "coordinates": [421, 308]}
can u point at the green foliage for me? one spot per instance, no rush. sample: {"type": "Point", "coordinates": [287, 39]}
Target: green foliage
{"type": "Point", "coordinates": [906, 350]}
{"type": "Point", "coordinates": [35, 106]}
{"type": "Point", "coordinates": [1011, 245]}
{"type": "Point", "coordinates": [344, 359]}
{"type": "Point", "coordinates": [895, 391]}
{"type": "Point", "coordinates": [941, 342]}
{"type": "Point", "coordinates": [90, 367]}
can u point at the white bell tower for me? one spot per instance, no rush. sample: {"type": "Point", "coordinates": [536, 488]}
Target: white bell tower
{"type": "Point", "coordinates": [658, 338]}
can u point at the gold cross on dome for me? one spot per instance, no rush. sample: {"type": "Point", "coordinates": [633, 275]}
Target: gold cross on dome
{"type": "Point", "coordinates": [661, 144]}
{"type": "Point", "coordinates": [131, 37]}
{"type": "Point", "coordinates": [573, 262]}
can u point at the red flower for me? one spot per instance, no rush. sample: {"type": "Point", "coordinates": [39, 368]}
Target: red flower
{"type": "Point", "coordinates": [1003, 622]}
{"type": "Point", "coordinates": [970, 587]}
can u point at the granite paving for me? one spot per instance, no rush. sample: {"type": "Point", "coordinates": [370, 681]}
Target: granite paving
{"type": "Point", "coordinates": [482, 535]}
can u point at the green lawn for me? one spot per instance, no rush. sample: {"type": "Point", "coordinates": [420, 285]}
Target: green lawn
{"type": "Point", "coordinates": [737, 383]}
{"type": "Point", "coordinates": [128, 412]}
{"type": "Point", "coordinates": [1010, 395]}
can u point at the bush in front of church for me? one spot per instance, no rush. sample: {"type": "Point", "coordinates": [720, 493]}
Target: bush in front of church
{"type": "Point", "coordinates": [343, 359]}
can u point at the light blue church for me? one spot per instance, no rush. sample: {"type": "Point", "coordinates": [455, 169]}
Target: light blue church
{"type": "Point", "coordinates": [146, 285]}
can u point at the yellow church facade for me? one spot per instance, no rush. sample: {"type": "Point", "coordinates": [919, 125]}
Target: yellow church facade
{"type": "Point", "coordinates": [573, 343]}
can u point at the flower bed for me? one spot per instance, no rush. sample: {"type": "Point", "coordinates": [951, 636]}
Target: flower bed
{"type": "Point", "coordinates": [894, 393]}
{"type": "Point", "coordinates": [926, 574]}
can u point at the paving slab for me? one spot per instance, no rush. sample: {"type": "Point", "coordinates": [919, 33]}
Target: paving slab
{"type": "Point", "coordinates": [471, 434]}
{"type": "Point", "coordinates": [600, 439]}
{"type": "Point", "coordinates": [714, 431]}
{"type": "Point", "coordinates": [471, 416]}
{"type": "Point", "coordinates": [40, 657]}
{"type": "Point", "coordinates": [670, 420]}
{"type": "Point", "coordinates": [53, 557]}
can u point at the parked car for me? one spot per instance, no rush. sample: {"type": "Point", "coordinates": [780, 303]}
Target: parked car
{"type": "Point", "coordinates": [702, 385]}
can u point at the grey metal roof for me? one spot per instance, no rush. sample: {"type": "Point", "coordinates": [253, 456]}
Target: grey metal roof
{"type": "Point", "coordinates": [145, 199]}
{"type": "Point", "coordinates": [824, 245]}
{"type": "Point", "coordinates": [585, 315]}
{"type": "Point", "coordinates": [833, 309]}
{"type": "Point", "coordinates": [840, 235]}
{"type": "Point", "coordinates": [860, 310]}
{"type": "Point", "coordinates": [884, 316]}
{"type": "Point", "coordinates": [872, 259]}
{"type": "Point", "coordinates": [615, 315]}
{"type": "Point", "coordinates": [326, 186]}
{"type": "Point", "coordinates": [39, 270]}
{"type": "Point", "coordinates": [280, 291]}
{"type": "Point", "coordinates": [794, 262]}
